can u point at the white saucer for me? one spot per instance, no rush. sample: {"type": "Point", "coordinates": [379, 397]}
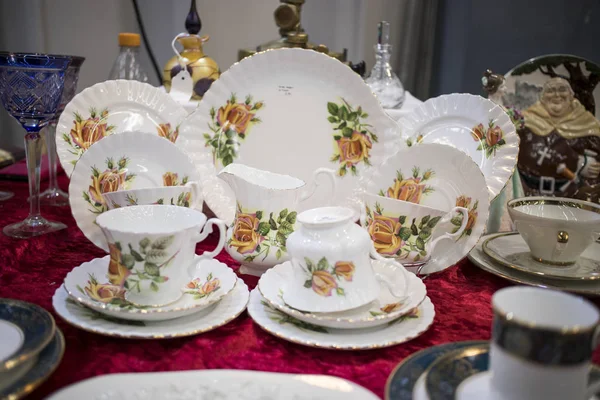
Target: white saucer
{"type": "Point", "coordinates": [291, 329]}
{"type": "Point", "coordinates": [511, 250]}
{"type": "Point", "coordinates": [206, 320]}
{"type": "Point", "coordinates": [87, 282]}
{"type": "Point", "coordinates": [384, 309]}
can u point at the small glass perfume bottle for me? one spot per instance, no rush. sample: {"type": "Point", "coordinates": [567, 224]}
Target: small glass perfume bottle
{"type": "Point", "coordinates": [382, 80]}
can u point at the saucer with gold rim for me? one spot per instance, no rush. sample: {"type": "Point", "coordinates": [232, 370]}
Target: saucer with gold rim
{"type": "Point", "coordinates": [286, 327]}
{"type": "Point", "coordinates": [511, 250]}
{"type": "Point", "coordinates": [210, 281]}
{"type": "Point", "coordinates": [386, 308]}
{"type": "Point", "coordinates": [212, 317]}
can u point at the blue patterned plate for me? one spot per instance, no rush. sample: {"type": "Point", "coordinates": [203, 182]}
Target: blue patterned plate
{"type": "Point", "coordinates": [448, 372]}
{"type": "Point", "coordinates": [28, 376]}
{"type": "Point", "coordinates": [25, 329]}
{"type": "Point", "coordinates": [401, 382]}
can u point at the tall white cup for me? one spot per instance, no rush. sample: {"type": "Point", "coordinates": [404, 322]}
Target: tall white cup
{"type": "Point", "coordinates": [542, 343]}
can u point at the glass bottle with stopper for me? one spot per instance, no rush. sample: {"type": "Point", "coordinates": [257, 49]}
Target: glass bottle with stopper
{"type": "Point", "coordinates": [382, 80]}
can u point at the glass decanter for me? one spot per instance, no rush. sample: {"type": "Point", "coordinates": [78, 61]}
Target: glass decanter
{"type": "Point", "coordinates": [382, 80]}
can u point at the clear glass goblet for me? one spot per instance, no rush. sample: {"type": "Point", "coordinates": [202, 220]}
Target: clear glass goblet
{"type": "Point", "coordinates": [31, 87]}
{"type": "Point", "coordinates": [53, 195]}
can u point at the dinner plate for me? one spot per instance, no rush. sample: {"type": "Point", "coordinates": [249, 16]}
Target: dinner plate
{"type": "Point", "coordinates": [289, 111]}
{"type": "Point", "coordinates": [133, 160]}
{"type": "Point", "coordinates": [383, 310]}
{"type": "Point", "coordinates": [512, 251]}
{"type": "Point", "coordinates": [407, 380]}
{"type": "Point", "coordinates": [210, 281]}
{"type": "Point", "coordinates": [26, 377]}
{"type": "Point", "coordinates": [483, 261]}
{"type": "Point", "coordinates": [206, 320]}
{"type": "Point", "coordinates": [440, 177]}
{"type": "Point", "coordinates": [25, 329]}
{"type": "Point", "coordinates": [472, 124]}
{"type": "Point", "coordinates": [114, 107]}
{"type": "Point", "coordinates": [286, 327]}
{"type": "Point", "coordinates": [214, 384]}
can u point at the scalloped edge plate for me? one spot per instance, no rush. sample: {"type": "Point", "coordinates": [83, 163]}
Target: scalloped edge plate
{"type": "Point", "coordinates": [449, 119]}
{"type": "Point", "coordinates": [289, 92]}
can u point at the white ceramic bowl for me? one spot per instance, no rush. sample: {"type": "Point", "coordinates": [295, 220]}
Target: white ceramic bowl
{"type": "Point", "coordinates": [557, 230]}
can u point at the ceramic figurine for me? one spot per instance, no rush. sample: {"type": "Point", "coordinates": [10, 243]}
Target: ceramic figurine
{"type": "Point", "coordinates": [553, 101]}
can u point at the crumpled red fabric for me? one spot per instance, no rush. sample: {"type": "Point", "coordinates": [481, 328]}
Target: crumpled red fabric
{"type": "Point", "coordinates": [31, 270]}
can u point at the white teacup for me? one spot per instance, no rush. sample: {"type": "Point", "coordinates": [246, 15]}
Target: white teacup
{"type": "Point", "coordinates": [152, 248]}
{"type": "Point", "coordinates": [188, 195]}
{"type": "Point", "coordinates": [331, 256]}
{"type": "Point", "coordinates": [407, 231]}
{"type": "Point", "coordinates": [557, 230]}
{"type": "Point", "coordinates": [542, 343]}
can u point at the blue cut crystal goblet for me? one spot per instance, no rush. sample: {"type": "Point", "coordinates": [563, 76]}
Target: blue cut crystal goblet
{"type": "Point", "coordinates": [31, 87]}
{"type": "Point", "coordinates": [53, 196]}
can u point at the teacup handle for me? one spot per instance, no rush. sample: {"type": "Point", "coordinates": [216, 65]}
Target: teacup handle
{"type": "Point", "coordinates": [314, 184]}
{"type": "Point", "coordinates": [398, 267]}
{"type": "Point", "coordinates": [207, 230]}
{"type": "Point", "coordinates": [448, 235]}
{"type": "Point", "coordinates": [196, 194]}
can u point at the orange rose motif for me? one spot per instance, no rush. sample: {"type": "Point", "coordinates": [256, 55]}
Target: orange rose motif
{"type": "Point", "coordinates": [245, 236]}
{"type": "Point", "coordinates": [478, 132]}
{"type": "Point", "coordinates": [463, 201]}
{"type": "Point", "coordinates": [86, 133]}
{"type": "Point", "coordinates": [104, 293]}
{"type": "Point", "coordinates": [323, 283]}
{"type": "Point", "coordinates": [493, 136]}
{"type": "Point", "coordinates": [472, 218]}
{"type": "Point", "coordinates": [117, 272]}
{"type": "Point", "coordinates": [164, 130]}
{"type": "Point", "coordinates": [354, 149]}
{"type": "Point", "coordinates": [170, 179]}
{"type": "Point", "coordinates": [344, 269]}
{"type": "Point", "coordinates": [383, 231]}
{"type": "Point", "coordinates": [388, 308]}
{"type": "Point", "coordinates": [110, 180]}
{"type": "Point", "coordinates": [210, 286]}
{"type": "Point", "coordinates": [235, 116]}
{"type": "Point", "coordinates": [409, 190]}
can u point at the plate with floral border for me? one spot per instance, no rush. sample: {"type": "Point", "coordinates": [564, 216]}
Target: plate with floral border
{"type": "Point", "coordinates": [436, 176]}
{"type": "Point", "coordinates": [385, 309]}
{"type": "Point", "coordinates": [286, 327]}
{"type": "Point", "coordinates": [289, 111]}
{"type": "Point", "coordinates": [216, 315]}
{"type": "Point", "coordinates": [407, 380]}
{"type": "Point", "coordinates": [473, 124]}
{"type": "Point", "coordinates": [88, 284]}
{"type": "Point", "coordinates": [483, 261]}
{"type": "Point", "coordinates": [134, 160]}
{"type": "Point", "coordinates": [114, 107]}
{"type": "Point", "coordinates": [31, 374]}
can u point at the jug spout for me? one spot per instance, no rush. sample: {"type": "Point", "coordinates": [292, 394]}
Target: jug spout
{"type": "Point", "coordinates": [240, 174]}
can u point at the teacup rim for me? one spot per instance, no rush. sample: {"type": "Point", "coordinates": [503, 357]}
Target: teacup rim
{"type": "Point", "coordinates": [572, 330]}
{"type": "Point", "coordinates": [559, 201]}
{"type": "Point", "coordinates": [166, 231]}
{"type": "Point", "coordinates": [406, 203]}
{"type": "Point", "coordinates": [127, 191]}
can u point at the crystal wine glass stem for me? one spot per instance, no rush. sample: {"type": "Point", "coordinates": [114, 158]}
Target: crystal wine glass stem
{"type": "Point", "coordinates": [33, 153]}
{"type": "Point", "coordinates": [50, 131]}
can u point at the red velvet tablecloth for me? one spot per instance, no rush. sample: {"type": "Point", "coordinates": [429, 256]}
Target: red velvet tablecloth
{"type": "Point", "coordinates": [33, 269]}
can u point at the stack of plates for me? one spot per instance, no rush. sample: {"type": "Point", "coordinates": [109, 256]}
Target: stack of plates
{"type": "Point", "coordinates": [31, 347]}
{"type": "Point", "coordinates": [213, 297]}
{"type": "Point", "coordinates": [381, 323]}
{"type": "Point", "coordinates": [507, 255]}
